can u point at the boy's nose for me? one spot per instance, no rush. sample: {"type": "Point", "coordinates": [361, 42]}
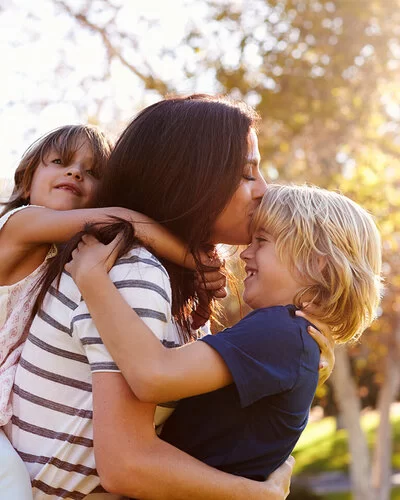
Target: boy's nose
{"type": "Point", "coordinates": [246, 254]}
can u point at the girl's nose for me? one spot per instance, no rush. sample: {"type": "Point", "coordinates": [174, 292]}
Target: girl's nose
{"type": "Point", "coordinates": [75, 172]}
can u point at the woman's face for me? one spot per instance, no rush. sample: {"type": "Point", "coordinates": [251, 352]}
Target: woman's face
{"type": "Point", "coordinates": [232, 225]}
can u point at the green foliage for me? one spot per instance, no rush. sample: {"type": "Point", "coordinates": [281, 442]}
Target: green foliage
{"type": "Point", "coordinates": [321, 448]}
{"type": "Point", "coordinates": [325, 77]}
{"type": "Point", "coordinates": [395, 495]}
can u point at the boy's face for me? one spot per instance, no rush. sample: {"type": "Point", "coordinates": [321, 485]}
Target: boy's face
{"type": "Point", "coordinates": [64, 187]}
{"type": "Point", "coordinates": [269, 281]}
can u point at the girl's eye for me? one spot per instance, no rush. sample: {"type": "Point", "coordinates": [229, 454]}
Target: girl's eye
{"type": "Point", "coordinates": [92, 173]}
{"type": "Point", "coordinates": [57, 161]}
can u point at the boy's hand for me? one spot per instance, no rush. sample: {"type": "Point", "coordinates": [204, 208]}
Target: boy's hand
{"type": "Point", "coordinates": [323, 336]}
{"type": "Point", "coordinates": [91, 256]}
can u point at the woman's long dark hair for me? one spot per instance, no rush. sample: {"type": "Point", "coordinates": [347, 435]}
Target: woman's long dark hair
{"type": "Point", "coordinates": [179, 161]}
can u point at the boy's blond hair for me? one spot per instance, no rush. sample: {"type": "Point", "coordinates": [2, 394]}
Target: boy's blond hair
{"type": "Point", "coordinates": [332, 243]}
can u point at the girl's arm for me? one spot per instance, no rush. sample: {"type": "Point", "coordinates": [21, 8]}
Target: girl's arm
{"type": "Point", "coordinates": [155, 373]}
{"type": "Point", "coordinates": [39, 225]}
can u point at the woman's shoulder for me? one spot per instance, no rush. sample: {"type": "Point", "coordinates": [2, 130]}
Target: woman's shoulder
{"type": "Point", "coordinates": [140, 260]}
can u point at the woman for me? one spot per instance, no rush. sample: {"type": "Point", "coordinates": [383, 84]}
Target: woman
{"type": "Point", "coordinates": [193, 164]}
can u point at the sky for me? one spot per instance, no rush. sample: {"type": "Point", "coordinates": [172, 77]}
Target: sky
{"type": "Point", "coordinates": [46, 55]}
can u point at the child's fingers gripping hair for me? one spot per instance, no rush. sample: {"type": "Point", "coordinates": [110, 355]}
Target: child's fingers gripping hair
{"type": "Point", "coordinates": [91, 255]}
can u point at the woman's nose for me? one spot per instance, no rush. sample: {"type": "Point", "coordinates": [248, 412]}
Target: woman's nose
{"type": "Point", "coordinates": [260, 187]}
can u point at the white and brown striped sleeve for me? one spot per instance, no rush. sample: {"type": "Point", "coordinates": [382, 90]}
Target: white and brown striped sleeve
{"type": "Point", "coordinates": [144, 284]}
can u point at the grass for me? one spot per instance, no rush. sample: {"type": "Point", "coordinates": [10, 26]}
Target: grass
{"type": "Point", "coordinates": [322, 449]}
{"type": "Point", "coordinates": [347, 496]}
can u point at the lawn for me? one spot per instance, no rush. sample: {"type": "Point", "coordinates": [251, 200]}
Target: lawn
{"type": "Point", "coordinates": [323, 449]}
{"type": "Point", "coordinates": [347, 496]}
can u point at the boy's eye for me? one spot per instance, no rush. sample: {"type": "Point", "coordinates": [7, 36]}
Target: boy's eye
{"type": "Point", "coordinates": [261, 239]}
{"type": "Point", "coordinates": [248, 177]}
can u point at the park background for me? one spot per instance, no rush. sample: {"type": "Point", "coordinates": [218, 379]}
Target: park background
{"type": "Point", "coordinates": [324, 76]}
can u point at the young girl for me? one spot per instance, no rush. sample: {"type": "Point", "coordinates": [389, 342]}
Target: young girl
{"type": "Point", "coordinates": [250, 387]}
{"type": "Point", "coordinates": [54, 185]}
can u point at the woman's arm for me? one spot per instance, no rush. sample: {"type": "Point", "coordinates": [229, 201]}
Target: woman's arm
{"type": "Point", "coordinates": [131, 460]}
{"type": "Point", "coordinates": [39, 225]}
{"type": "Point", "coordinates": [323, 337]}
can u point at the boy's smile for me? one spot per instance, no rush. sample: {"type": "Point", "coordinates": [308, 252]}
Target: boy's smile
{"type": "Point", "coordinates": [269, 281]}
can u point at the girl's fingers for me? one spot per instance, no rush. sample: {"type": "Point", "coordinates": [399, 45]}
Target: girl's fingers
{"type": "Point", "coordinates": [220, 293]}
{"type": "Point", "coordinates": [212, 285]}
{"type": "Point", "coordinates": [89, 239]}
{"type": "Point", "coordinates": [210, 276]}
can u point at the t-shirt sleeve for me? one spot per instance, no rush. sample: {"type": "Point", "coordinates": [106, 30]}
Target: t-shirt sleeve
{"type": "Point", "coordinates": [263, 353]}
{"type": "Point", "coordinates": [144, 284]}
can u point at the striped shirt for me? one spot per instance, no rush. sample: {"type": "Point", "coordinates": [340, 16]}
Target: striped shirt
{"type": "Point", "coordinates": [52, 427]}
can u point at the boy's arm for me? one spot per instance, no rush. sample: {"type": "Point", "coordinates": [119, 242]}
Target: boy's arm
{"type": "Point", "coordinates": [40, 225]}
{"type": "Point", "coordinates": [154, 372]}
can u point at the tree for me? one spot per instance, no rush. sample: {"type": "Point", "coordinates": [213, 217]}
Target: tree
{"type": "Point", "coordinates": [324, 76]}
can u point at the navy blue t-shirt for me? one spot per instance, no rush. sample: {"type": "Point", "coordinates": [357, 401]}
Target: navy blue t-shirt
{"type": "Point", "coordinates": [251, 426]}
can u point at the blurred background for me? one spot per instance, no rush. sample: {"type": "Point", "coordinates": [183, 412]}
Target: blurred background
{"type": "Point", "coordinates": [325, 77]}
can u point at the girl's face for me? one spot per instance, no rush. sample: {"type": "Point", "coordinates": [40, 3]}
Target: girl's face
{"type": "Point", "coordinates": [232, 225]}
{"type": "Point", "coordinates": [64, 187]}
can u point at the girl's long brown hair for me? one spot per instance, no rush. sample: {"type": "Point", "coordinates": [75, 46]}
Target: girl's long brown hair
{"type": "Point", "coordinates": [179, 161]}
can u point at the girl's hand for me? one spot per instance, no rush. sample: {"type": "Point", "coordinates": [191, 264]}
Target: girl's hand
{"type": "Point", "coordinates": [323, 336]}
{"type": "Point", "coordinates": [214, 279]}
{"type": "Point", "coordinates": [91, 256]}
{"type": "Point", "coordinates": [209, 284]}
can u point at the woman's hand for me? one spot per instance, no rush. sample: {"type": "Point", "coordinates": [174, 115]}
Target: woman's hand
{"type": "Point", "coordinates": [91, 256]}
{"type": "Point", "coordinates": [323, 336]}
{"type": "Point", "coordinates": [279, 481]}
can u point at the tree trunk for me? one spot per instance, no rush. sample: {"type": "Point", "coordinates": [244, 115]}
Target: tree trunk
{"type": "Point", "coordinates": [382, 460]}
{"type": "Point", "coordinates": [348, 401]}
